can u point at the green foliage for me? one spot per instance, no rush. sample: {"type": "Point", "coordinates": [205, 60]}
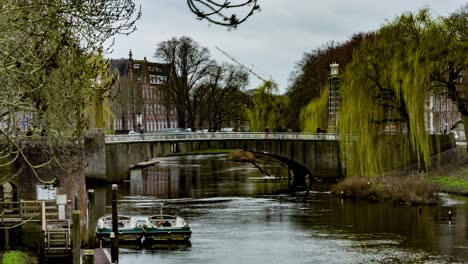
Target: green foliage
{"type": "Point", "coordinates": [51, 68]}
{"type": "Point", "coordinates": [109, 132]}
{"type": "Point", "coordinates": [311, 73]}
{"type": "Point", "coordinates": [315, 114]}
{"type": "Point", "coordinates": [15, 257]}
{"type": "Point", "coordinates": [452, 182]}
{"type": "Point", "coordinates": [384, 87]}
{"type": "Point", "coordinates": [268, 110]}
{"type": "Point", "coordinates": [383, 91]}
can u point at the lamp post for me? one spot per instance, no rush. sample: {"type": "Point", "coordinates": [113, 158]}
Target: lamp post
{"type": "Point", "coordinates": [333, 99]}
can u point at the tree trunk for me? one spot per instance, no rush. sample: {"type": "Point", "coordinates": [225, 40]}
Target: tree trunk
{"type": "Point", "coordinates": [180, 116]}
{"type": "Point", "coordinates": [124, 121]}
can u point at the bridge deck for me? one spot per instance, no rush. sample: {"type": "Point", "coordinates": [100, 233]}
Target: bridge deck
{"type": "Point", "coordinates": [218, 136]}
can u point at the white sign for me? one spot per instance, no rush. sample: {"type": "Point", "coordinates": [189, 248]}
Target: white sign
{"type": "Point", "coordinates": [46, 192]}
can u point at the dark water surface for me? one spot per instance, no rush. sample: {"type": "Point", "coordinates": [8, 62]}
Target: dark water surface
{"type": "Point", "coordinates": [239, 216]}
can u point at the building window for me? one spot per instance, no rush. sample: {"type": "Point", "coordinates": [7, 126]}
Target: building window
{"type": "Point", "coordinates": [136, 66]}
{"type": "Point", "coordinates": [157, 79]}
{"type": "Point", "coordinates": [153, 69]}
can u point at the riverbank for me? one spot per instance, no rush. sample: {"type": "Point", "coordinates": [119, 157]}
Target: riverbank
{"type": "Point", "coordinates": [410, 190]}
{"type": "Point", "coordinates": [449, 174]}
{"type": "Point", "coordinates": [450, 171]}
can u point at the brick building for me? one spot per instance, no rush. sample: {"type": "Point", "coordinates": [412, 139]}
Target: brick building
{"type": "Point", "coordinates": [156, 111]}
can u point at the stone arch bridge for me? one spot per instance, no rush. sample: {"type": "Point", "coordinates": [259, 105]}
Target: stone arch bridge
{"type": "Point", "coordinates": [110, 156]}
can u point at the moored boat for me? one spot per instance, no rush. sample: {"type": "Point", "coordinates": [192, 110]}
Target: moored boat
{"type": "Point", "coordinates": [167, 228]}
{"type": "Point", "coordinates": [139, 229]}
{"type": "Point", "coordinates": [131, 228]}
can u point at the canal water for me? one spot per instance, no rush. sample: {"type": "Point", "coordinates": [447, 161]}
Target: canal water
{"type": "Point", "coordinates": [237, 215]}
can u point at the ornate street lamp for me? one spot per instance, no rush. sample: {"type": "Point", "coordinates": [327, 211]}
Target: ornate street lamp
{"type": "Point", "coordinates": [333, 99]}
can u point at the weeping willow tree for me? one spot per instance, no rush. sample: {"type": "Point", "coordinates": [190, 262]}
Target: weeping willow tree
{"type": "Point", "coordinates": [315, 114]}
{"type": "Point", "coordinates": [384, 91]}
{"type": "Point", "coordinates": [98, 112]}
{"type": "Point", "coordinates": [268, 110]}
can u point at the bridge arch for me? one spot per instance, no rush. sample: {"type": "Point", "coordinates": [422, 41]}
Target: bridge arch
{"type": "Point", "coordinates": [110, 157]}
{"type": "Point", "coordinates": [302, 176]}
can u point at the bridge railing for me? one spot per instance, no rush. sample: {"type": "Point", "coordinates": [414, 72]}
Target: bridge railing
{"type": "Point", "coordinates": [190, 136]}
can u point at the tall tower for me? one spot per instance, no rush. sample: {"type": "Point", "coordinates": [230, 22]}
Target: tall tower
{"type": "Point", "coordinates": [333, 99]}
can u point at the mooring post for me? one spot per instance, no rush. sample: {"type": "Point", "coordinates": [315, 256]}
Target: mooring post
{"type": "Point", "coordinates": [7, 239]}
{"type": "Point", "coordinates": [115, 247]}
{"type": "Point", "coordinates": [114, 255]}
{"type": "Point", "coordinates": [91, 220]}
{"type": "Point", "coordinates": [76, 237]}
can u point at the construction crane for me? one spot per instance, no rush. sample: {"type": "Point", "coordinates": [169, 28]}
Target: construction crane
{"type": "Point", "coordinates": [248, 69]}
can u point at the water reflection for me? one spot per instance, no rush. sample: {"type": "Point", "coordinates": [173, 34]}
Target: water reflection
{"type": "Point", "coordinates": [201, 176]}
{"type": "Point", "coordinates": [239, 216]}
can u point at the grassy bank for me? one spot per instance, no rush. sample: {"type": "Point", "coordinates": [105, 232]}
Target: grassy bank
{"type": "Point", "coordinates": [450, 171]}
{"type": "Point", "coordinates": [449, 174]}
{"type": "Point", "coordinates": [400, 190]}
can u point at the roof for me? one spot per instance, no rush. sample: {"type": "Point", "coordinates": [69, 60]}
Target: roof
{"type": "Point", "coordinates": [119, 64]}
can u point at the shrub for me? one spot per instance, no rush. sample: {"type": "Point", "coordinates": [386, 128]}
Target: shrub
{"type": "Point", "coordinates": [241, 155]}
{"type": "Point", "coordinates": [353, 187]}
{"type": "Point", "coordinates": [15, 257]}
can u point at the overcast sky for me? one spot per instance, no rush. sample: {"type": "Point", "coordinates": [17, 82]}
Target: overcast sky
{"type": "Point", "coordinates": [273, 40]}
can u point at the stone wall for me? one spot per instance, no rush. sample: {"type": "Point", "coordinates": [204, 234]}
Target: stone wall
{"type": "Point", "coordinates": [69, 172]}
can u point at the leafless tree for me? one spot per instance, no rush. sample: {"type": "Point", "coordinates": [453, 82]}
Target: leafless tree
{"type": "Point", "coordinates": [219, 11]}
{"type": "Point", "coordinates": [222, 96]}
{"type": "Point", "coordinates": [189, 64]}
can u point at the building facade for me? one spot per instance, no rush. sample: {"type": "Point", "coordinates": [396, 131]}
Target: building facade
{"type": "Point", "coordinates": [148, 108]}
{"type": "Point", "coordinates": [442, 117]}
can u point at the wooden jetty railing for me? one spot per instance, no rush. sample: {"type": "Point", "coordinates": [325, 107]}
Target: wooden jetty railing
{"type": "Point", "coordinates": [57, 231]}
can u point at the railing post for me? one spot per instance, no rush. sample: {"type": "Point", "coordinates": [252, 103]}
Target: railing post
{"type": "Point", "coordinates": [91, 219]}
{"type": "Point", "coordinates": [21, 210]}
{"type": "Point", "coordinates": [43, 216]}
{"type": "Point", "coordinates": [7, 239]}
{"type": "Point", "coordinates": [114, 248]}
{"type": "Point", "coordinates": [76, 237]}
